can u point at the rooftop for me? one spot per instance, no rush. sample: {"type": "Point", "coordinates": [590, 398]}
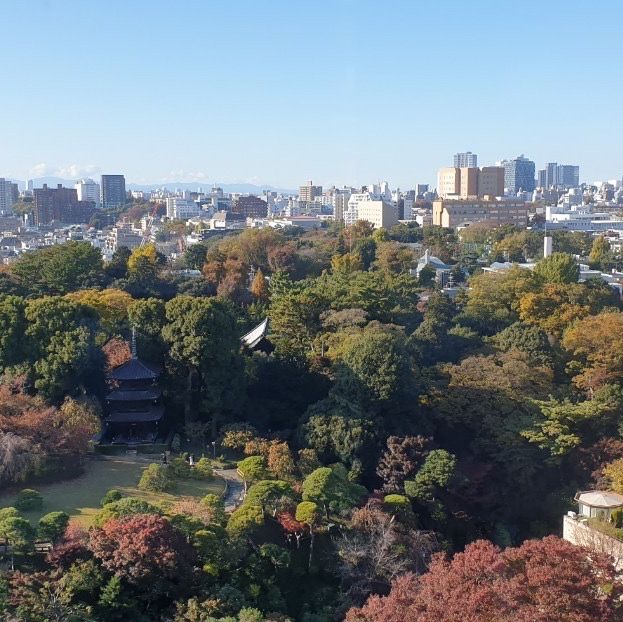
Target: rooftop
{"type": "Point", "coordinates": [599, 499]}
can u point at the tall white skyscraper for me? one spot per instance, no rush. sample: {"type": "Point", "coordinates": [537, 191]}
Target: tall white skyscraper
{"type": "Point", "coordinates": [465, 160]}
{"type": "Point", "coordinates": [88, 190]}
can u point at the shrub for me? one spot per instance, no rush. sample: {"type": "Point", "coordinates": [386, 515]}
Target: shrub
{"type": "Point", "coordinates": [52, 526]}
{"type": "Point", "coordinates": [155, 478]}
{"type": "Point", "coordinates": [616, 518]}
{"type": "Point", "coordinates": [203, 469]}
{"type": "Point", "coordinates": [29, 499]}
{"type": "Point", "coordinates": [110, 496]}
{"type": "Point", "coordinates": [399, 505]}
{"type": "Point", "coordinates": [176, 442]}
{"type": "Point", "coordinates": [125, 507]}
{"type": "Point", "coordinates": [178, 467]}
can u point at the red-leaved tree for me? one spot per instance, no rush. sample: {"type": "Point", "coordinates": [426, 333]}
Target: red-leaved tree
{"type": "Point", "coordinates": [541, 581]}
{"type": "Point", "coordinates": [146, 551]}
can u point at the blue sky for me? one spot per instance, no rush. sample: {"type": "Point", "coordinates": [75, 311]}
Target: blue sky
{"type": "Point", "coordinates": [338, 91]}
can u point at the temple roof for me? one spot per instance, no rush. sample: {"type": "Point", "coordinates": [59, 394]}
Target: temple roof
{"type": "Point", "coordinates": [254, 336]}
{"type": "Point", "coordinates": [127, 395]}
{"type": "Point", "coordinates": [153, 414]}
{"type": "Point", "coordinates": [134, 369]}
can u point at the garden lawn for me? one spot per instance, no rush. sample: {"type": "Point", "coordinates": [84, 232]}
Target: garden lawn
{"type": "Point", "coordinates": [80, 497]}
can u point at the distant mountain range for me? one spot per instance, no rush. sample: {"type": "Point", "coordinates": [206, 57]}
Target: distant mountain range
{"type": "Point", "coordinates": [171, 185]}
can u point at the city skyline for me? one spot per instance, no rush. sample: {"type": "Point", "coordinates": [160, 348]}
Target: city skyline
{"type": "Point", "coordinates": [237, 94]}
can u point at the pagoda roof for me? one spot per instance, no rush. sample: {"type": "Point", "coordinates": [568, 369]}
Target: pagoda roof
{"type": "Point", "coordinates": [129, 395]}
{"type": "Point", "coordinates": [145, 416]}
{"type": "Point", "coordinates": [134, 369]}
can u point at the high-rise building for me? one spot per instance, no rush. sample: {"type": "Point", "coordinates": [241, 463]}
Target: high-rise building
{"type": "Point", "coordinates": [449, 181]}
{"type": "Point", "coordinates": [113, 191]}
{"type": "Point", "coordinates": [341, 205]}
{"type": "Point", "coordinates": [88, 190]}
{"type": "Point", "coordinates": [491, 181]}
{"type": "Point", "coordinates": [542, 179]}
{"type": "Point", "coordinates": [470, 182]}
{"type": "Point", "coordinates": [60, 204]}
{"type": "Point", "coordinates": [309, 192]}
{"type": "Point", "coordinates": [551, 175]}
{"type": "Point", "coordinates": [519, 174]}
{"type": "Point", "coordinates": [8, 194]}
{"type": "Point", "coordinates": [465, 160]}
{"type": "Point", "coordinates": [568, 175]}
{"type": "Point", "coordinates": [421, 190]}
{"type": "Point", "coordinates": [250, 207]}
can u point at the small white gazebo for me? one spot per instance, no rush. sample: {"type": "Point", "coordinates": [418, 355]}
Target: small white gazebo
{"type": "Point", "coordinates": [598, 503]}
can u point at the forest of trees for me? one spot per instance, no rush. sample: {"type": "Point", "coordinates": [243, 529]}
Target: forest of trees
{"type": "Point", "coordinates": [407, 456]}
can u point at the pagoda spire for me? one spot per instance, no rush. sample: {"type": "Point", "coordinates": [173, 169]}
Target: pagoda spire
{"type": "Point", "coordinates": [134, 355]}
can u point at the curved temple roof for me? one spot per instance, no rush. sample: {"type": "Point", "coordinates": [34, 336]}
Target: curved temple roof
{"type": "Point", "coordinates": [254, 336]}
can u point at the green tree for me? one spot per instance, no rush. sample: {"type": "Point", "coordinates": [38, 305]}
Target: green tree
{"type": "Point", "coordinates": [600, 256]}
{"type": "Point", "coordinates": [203, 342]}
{"type": "Point", "coordinates": [252, 469]}
{"type": "Point", "coordinates": [60, 268]}
{"type": "Point", "coordinates": [245, 520]}
{"type": "Point", "coordinates": [436, 473]}
{"type": "Point", "coordinates": [334, 493]}
{"type": "Point", "coordinates": [12, 330]}
{"type": "Point", "coordinates": [52, 526]}
{"type": "Point", "coordinates": [558, 268]}
{"type": "Point", "coordinates": [527, 338]}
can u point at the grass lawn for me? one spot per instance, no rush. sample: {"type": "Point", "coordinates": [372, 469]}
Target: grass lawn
{"type": "Point", "coordinates": [80, 497]}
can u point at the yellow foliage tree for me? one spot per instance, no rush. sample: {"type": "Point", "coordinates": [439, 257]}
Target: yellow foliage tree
{"type": "Point", "coordinates": [111, 306]}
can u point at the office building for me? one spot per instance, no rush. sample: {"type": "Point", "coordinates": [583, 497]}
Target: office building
{"type": "Point", "coordinates": [88, 190]}
{"type": "Point", "coordinates": [568, 175]}
{"type": "Point", "coordinates": [378, 213]}
{"type": "Point", "coordinates": [421, 190]}
{"type": "Point", "coordinates": [8, 195]}
{"type": "Point", "coordinates": [309, 192]}
{"type": "Point", "coordinates": [250, 207]}
{"type": "Point", "coordinates": [465, 160]}
{"type": "Point", "coordinates": [113, 193]}
{"type": "Point", "coordinates": [449, 181]}
{"type": "Point", "coordinates": [60, 205]}
{"type": "Point", "coordinates": [519, 174]}
{"type": "Point", "coordinates": [456, 212]}
{"type": "Point", "coordinates": [491, 181]}
{"type": "Point", "coordinates": [470, 182]}
{"type": "Point", "coordinates": [182, 209]}
{"type": "Point", "coordinates": [341, 205]}
{"type": "Point", "coordinates": [541, 179]}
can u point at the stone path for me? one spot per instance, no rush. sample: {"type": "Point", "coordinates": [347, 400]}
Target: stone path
{"type": "Point", "coordinates": [235, 488]}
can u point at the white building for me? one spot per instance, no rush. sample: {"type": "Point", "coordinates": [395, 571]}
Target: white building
{"type": "Point", "coordinates": [88, 190]}
{"type": "Point", "coordinates": [182, 209]}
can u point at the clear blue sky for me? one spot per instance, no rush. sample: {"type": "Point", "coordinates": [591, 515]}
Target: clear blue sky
{"type": "Point", "coordinates": [338, 91]}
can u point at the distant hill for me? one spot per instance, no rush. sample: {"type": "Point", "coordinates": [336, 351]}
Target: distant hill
{"type": "Point", "coordinates": [171, 185]}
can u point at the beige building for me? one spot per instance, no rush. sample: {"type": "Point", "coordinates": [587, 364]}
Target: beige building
{"type": "Point", "coordinates": [491, 181]}
{"type": "Point", "coordinates": [379, 213]}
{"type": "Point", "coordinates": [448, 181]}
{"type": "Point", "coordinates": [461, 212]}
{"type": "Point", "coordinates": [470, 182]}
{"type": "Point", "coordinates": [309, 192]}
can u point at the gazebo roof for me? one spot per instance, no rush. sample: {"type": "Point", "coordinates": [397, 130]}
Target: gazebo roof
{"type": "Point", "coordinates": [600, 499]}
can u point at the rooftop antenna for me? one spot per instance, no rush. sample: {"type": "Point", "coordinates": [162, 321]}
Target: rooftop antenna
{"type": "Point", "coordinates": [134, 343]}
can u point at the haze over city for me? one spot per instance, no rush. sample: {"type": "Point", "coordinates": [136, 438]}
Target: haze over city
{"type": "Point", "coordinates": [344, 92]}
